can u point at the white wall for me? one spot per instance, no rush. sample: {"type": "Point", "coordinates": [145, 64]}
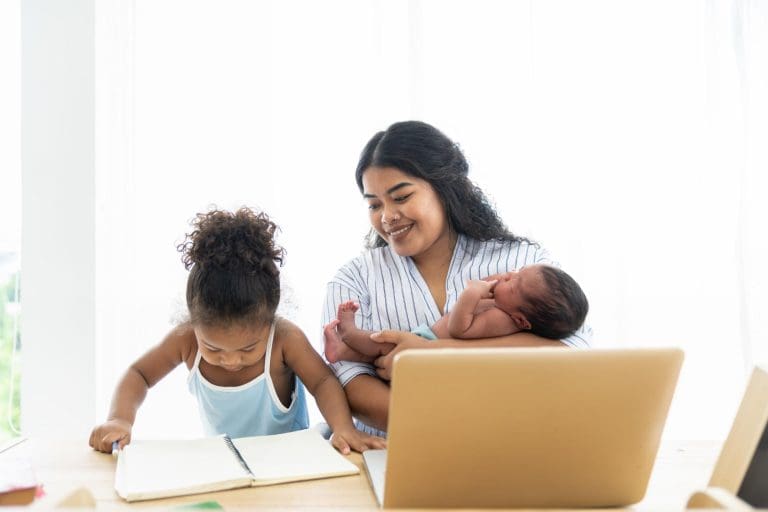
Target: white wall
{"type": "Point", "coordinates": [57, 150]}
{"type": "Point", "coordinates": [10, 116]}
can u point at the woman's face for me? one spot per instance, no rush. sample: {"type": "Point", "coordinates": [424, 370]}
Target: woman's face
{"type": "Point", "coordinates": [406, 212]}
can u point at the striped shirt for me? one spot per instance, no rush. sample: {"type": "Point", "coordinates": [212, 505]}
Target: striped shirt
{"type": "Point", "coordinates": [393, 295]}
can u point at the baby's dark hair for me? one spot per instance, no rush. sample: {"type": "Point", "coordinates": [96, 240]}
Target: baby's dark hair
{"type": "Point", "coordinates": [233, 262]}
{"type": "Point", "coordinates": [560, 310]}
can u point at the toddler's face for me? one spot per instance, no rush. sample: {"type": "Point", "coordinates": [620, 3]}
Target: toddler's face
{"type": "Point", "coordinates": [513, 288]}
{"type": "Point", "coordinates": [232, 348]}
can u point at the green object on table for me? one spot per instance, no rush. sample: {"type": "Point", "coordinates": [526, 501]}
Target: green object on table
{"type": "Point", "coordinates": [203, 505]}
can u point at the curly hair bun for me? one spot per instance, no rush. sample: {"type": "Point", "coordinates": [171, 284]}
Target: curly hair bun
{"type": "Point", "coordinates": [241, 241]}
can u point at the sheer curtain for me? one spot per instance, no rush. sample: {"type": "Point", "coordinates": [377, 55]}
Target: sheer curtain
{"type": "Point", "coordinates": [627, 137]}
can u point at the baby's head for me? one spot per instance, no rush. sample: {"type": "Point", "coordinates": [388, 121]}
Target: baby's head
{"type": "Point", "coordinates": [543, 299]}
{"type": "Point", "coordinates": [233, 288]}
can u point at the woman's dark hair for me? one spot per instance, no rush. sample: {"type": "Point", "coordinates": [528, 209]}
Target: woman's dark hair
{"type": "Point", "coordinates": [560, 310]}
{"type": "Point", "coordinates": [233, 262]}
{"type": "Point", "coordinates": [423, 151]}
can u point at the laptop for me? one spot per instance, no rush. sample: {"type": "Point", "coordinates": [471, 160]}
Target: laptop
{"type": "Point", "coordinates": [739, 478]}
{"type": "Point", "coordinates": [523, 428]}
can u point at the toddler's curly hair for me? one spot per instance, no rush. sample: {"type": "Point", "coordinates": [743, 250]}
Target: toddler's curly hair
{"type": "Point", "coordinates": [233, 262]}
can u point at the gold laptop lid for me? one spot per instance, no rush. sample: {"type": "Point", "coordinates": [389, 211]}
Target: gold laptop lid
{"type": "Point", "coordinates": [526, 427]}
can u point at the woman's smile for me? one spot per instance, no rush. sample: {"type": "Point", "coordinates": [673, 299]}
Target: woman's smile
{"type": "Point", "coordinates": [399, 232]}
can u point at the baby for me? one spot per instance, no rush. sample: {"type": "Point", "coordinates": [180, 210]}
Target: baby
{"type": "Point", "coordinates": [538, 298]}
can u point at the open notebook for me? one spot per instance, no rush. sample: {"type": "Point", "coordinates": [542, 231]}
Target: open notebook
{"type": "Point", "coordinates": [160, 469]}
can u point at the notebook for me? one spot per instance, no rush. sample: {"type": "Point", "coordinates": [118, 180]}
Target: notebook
{"type": "Point", "coordinates": [160, 469]}
{"type": "Point", "coordinates": [523, 428]}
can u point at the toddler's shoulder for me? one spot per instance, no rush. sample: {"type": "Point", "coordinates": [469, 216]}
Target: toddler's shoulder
{"type": "Point", "coordinates": [287, 331]}
{"type": "Point", "coordinates": [182, 339]}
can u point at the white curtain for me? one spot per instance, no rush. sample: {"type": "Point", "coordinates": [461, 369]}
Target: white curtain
{"type": "Point", "coordinates": [627, 137]}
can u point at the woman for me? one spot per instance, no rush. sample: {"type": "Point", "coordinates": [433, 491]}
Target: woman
{"type": "Point", "coordinates": [432, 230]}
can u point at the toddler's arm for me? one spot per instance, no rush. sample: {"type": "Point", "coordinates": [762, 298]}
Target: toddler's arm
{"type": "Point", "coordinates": [300, 357]}
{"type": "Point", "coordinates": [133, 386]}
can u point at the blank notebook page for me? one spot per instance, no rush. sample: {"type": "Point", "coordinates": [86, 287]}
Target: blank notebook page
{"type": "Point", "coordinates": [293, 456]}
{"type": "Point", "coordinates": [149, 466]}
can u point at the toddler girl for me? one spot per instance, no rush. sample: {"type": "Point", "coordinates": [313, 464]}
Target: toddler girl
{"type": "Point", "coordinates": [248, 367]}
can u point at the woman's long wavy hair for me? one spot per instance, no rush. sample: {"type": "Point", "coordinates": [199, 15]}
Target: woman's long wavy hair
{"type": "Point", "coordinates": [423, 151]}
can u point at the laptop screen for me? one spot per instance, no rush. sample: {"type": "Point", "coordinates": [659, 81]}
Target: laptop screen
{"type": "Point", "coordinates": [754, 487]}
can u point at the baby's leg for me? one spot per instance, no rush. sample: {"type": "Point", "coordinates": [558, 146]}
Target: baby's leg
{"type": "Point", "coordinates": [358, 339]}
{"type": "Point", "coordinates": [336, 350]}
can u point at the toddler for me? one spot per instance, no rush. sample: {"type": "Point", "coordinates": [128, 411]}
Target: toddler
{"type": "Point", "coordinates": [248, 367]}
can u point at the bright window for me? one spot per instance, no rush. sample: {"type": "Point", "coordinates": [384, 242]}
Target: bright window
{"type": "Point", "coordinates": [10, 217]}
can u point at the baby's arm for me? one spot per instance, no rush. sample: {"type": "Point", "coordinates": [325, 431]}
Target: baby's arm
{"type": "Point", "coordinates": [133, 386]}
{"type": "Point", "coordinates": [472, 317]}
{"type": "Point", "coordinates": [300, 357]}
{"type": "Point", "coordinates": [488, 323]}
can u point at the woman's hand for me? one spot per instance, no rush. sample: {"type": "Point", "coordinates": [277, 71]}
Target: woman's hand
{"type": "Point", "coordinates": [359, 441]}
{"type": "Point", "coordinates": [402, 341]}
{"type": "Point", "coordinates": [105, 434]}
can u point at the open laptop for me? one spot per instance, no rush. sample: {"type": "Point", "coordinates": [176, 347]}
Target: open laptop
{"type": "Point", "coordinates": [523, 428]}
{"type": "Point", "coordinates": [741, 472]}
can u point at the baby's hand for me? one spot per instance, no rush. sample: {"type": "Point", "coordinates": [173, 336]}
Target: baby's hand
{"type": "Point", "coordinates": [359, 441]}
{"type": "Point", "coordinates": [484, 288]}
{"type": "Point", "coordinates": [105, 434]}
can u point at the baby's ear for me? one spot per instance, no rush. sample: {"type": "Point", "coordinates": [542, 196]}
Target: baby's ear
{"type": "Point", "coordinates": [521, 322]}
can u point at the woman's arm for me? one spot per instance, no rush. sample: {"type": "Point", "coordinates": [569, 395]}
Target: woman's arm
{"type": "Point", "coordinates": [133, 386]}
{"type": "Point", "coordinates": [404, 340]}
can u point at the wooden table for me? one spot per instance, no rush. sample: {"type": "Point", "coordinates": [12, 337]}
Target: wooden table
{"type": "Point", "coordinates": [63, 467]}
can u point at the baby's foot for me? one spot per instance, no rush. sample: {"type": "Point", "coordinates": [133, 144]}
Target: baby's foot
{"type": "Point", "coordinates": [346, 317]}
{"type": "Point", "coordinates": [334, 348]}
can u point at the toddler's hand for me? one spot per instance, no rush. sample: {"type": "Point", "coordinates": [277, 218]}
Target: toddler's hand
{"type": "Point", "coordinates": [105, 434]}
{"type": "Point", "coordinates": [359, 441]}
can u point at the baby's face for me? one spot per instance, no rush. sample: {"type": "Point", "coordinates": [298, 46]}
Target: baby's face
{"type": "Point", "coordinates": [232, 348]}
{"type": "Point", "coordinates": [514, 287]}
